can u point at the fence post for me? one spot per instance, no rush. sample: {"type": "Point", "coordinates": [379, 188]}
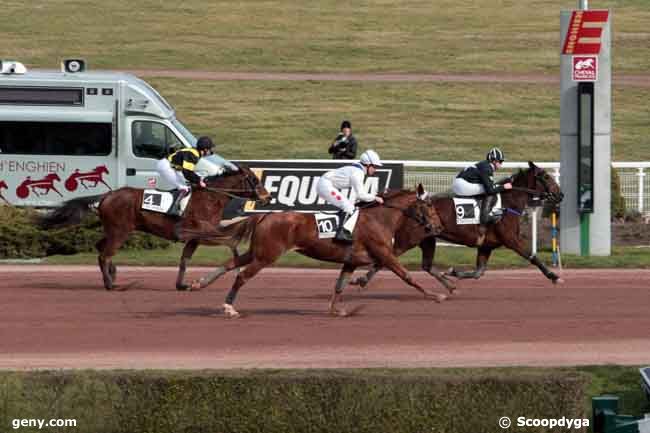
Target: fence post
{"type": "Point", "coordinates": [533, 240]}
{"type": "Point", "coordinates": [556, 175]}
{"type": "Point", "coordinates": [641, 175]}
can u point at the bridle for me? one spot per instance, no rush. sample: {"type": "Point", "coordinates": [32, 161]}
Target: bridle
{"type": "Point", "coordinates": [231, 192]}
{"type": "Point", "coordinates": [553, 197]}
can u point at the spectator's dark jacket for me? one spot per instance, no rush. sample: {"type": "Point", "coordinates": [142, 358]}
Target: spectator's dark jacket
{"type": "Point", "coordinates": [481, 172]}
{"type": "Point", "coordinates": [343, 148]}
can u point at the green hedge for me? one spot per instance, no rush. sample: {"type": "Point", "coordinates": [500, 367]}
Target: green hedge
{"type": "Point", "coordinates": [290, 401]}
{"type": "Point", "coordinates": [21, 238]}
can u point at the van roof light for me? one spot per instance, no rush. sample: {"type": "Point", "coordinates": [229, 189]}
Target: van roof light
{"type": "Point", "coordinates": [12, 67]}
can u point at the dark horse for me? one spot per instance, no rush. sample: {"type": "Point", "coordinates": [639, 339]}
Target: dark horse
{"type": "Point", "coordinates": [532, 182]}
{"type": "Point", "coordinates": [276, 233]}
{"type": "Point", "coordinates": [120, 213]}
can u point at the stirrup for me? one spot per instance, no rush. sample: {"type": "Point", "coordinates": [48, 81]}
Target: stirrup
{"type": "Point", "coordinates": [343, 235]}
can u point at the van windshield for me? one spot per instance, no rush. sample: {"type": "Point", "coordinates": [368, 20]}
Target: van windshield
{"type": "Point", "coordinates": [189, 137]}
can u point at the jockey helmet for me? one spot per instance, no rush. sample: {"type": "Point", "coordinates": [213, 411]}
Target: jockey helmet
{"type": "Point", "coordinates": [346, 124]}
{"type": "Point", "coordinates": [204, 143]}
{"type": "Point", "coordinates": [370, 157]}
{"type": "Point", "coordinates": [495, 154]}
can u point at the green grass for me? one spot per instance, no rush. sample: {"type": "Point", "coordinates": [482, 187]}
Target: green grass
{"type": "Point", "coordinates": [622, 257]}
{"type": "Point", "coordinates": [284, 35]}
{"type": "Point", "coordinates": [427, 121]}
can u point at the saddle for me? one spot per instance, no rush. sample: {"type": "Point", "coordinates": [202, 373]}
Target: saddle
{"type": "Point", "coordinates": [468, 209]}
{"type": "Point", "coordinates": [162, 201]}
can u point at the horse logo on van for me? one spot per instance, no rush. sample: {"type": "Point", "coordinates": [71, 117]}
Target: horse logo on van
{"type": "Point", "coordinates": [93, 177]}
{"type": "Point", "coordinates": [39, 187]}
{"type": "Point", "coordinates": [3, 185]}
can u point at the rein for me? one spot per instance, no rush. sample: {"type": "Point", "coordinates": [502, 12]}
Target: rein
{"type": "Point", "coordinates": [227, 191]}
{"type": "Point", "coordinates": [417, 218]}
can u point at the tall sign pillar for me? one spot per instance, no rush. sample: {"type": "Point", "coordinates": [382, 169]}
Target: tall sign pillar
{"type": "Point", "coordinates": [585, 131]}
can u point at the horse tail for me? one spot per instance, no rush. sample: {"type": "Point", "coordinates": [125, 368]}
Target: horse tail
{"type": "Point", "coordinates": [71, 213]}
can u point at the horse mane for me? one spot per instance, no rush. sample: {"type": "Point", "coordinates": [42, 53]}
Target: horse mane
{"type": "Point", "coordinates": [387, 195]}
{"type": "Point", "coordinates": [391, 194]}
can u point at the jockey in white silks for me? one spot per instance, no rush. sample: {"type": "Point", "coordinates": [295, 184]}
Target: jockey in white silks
{"type": "Point", "coordinates": [350, 176]}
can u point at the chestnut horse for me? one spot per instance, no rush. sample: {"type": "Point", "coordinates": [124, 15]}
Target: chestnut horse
{"type": "Point", "coordinates": [276, 233]}
{"type": "Point", "coordinates": [120, 213]}
{"type": "Point", "coordinates": [532, 182]}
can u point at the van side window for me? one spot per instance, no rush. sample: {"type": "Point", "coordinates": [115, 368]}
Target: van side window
{"type": "Point", "coordinates": [153, 139]}
{"type": "Point", "coordinates": [55, 138]}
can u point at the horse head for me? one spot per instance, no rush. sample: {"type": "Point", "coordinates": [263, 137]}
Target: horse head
{"type": "Point", "coordinates": [242, 182]}
{"type": "Point", "coordinates": [538, 180]}
{"type": "Point", "coordinates": [101, 169]}
{"type": "Point", "coordinates": [53, 177]}
{"type": "Point", "coordinates": [423, 212]}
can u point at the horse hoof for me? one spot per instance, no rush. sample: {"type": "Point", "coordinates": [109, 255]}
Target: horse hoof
{"type": "Point", "coordinates": [438, 297]}
{"type": "Point", "coordinates": [558, 281]}
{"type": "Point", "coordinates": [182, 287]}
{"type": "Point", "coordinates": [196, 285]}
{"type": "Point", "coordinates": [230, 312]}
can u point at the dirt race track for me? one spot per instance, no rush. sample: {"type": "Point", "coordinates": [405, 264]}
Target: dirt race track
{"type": "Point", "coordinates": [61, 317]}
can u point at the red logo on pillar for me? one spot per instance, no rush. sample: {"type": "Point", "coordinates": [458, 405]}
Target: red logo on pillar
{"type": "Point", "coordinates": [3, 185]}
{"type": "Point", "coordinates": [584, 35]}
{"type": "Point", "coordinates": [39, 187]}
{"type": "Point", "coordinates": [87, 180]}
{"type": "Point", "coordinates": [585, 68]}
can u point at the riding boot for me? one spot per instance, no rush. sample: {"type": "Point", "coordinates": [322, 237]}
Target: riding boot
{"type": "Point", "coordinates": [486, 217]}
{"type": "Point", "coordinates": [344, 235]}
{"type": "Point", "coordinates": [175, 209]}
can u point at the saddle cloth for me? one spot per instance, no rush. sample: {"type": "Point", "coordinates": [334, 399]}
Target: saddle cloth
{"type": "Point", "coordinates": [156, 200]}
{"type": "Point", "coordinates": [327, 223]}
{"type": "Point", "coordinates": [468, 209]}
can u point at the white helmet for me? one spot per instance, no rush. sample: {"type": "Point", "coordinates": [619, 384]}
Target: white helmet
{"type": "Point", "coordinates": [370, 157]}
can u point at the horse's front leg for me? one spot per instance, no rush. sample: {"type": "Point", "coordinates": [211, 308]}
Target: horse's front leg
{"type": "Point", "coordinates": [428, 248]}
{"type": "Point", "coordinates": [482, 258]}
{"type": "Point", "coordinates": [336, 308]}
{"type": "Point", "coordinates": [517, 245]}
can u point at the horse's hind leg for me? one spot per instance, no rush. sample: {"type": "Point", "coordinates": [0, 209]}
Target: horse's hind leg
{"type": "Point", "coordinates": [104, 266]}
{"type": "Point", "coordinates": [364, 280]}
{"type": "Point", "coordinates": [482, 257]}
{"type": "Point", "coordinates": [394, 265]}
{"type": "Point", "coordinates": [109, 246]}
{"type": "Point", "coordinates": [188, 251]}
{"type": "Point", "coordinates": [337, 297]}
{"type": "Point", "coordinates": [235, 262]}
{"type": "Point", "coordinates": [249, 272]}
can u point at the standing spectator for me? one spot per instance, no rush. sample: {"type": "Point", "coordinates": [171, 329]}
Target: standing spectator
{"type": "Point", "coordinates": [344, 145]}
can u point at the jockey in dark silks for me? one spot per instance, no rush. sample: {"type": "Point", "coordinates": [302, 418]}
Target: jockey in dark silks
{"type": "Point", "coordinates": [478, 179]}
{"type": "Point", "coordinates": [178, 169]}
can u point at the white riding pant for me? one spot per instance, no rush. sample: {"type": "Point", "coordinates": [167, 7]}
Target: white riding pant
{"type": "Point", "coordinates": [462, 187]}
{"type": "Point", "coordinates": [333, 196]}
{"type": "Point", "coordinates": [172, 176]}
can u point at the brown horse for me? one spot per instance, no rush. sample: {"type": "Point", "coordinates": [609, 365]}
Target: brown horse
{"type": "Point", "coordinates": [275, 234]}
{"type": "Point", "coordinates": [532, 182]}
{"type": "Point", "coordinates": [120, 213]}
